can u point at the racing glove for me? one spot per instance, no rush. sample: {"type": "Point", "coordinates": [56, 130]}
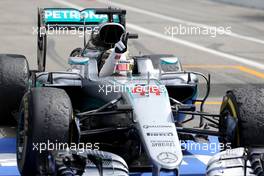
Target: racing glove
{"type": "Point", "coordinates": [121, 46]}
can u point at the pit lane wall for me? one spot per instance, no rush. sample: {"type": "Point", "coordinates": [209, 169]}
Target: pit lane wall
{"type": "Point", "coordinates": [247, 3]}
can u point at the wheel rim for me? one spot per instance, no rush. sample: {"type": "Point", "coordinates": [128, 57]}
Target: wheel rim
{"type": "Point", "coordinates": [229, 109]}
{"type": "Point", "coordinates": [22, 139]}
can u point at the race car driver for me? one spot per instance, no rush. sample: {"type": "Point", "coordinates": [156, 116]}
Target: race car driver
{"type": "Point", "coordinates": [118, 62]}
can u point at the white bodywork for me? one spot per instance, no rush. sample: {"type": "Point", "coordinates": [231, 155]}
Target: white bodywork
{"type": "Point", "coordinates": [151, 108]}
{"type": "Point", "coordinates": [229, 163]}
{"type": "Point", "coordinates": [155, 123]}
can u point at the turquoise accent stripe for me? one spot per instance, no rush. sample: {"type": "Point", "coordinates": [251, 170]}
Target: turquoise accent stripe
{"type": "Point", "coordinates": [167, 61]}
{"type": "Point", "coordinates": [78, 62]}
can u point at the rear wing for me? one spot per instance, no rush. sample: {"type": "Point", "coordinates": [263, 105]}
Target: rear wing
{"type": "Point", "coordinates": [72, 19]}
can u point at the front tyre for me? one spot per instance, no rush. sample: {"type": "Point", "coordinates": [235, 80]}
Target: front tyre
{"type": "Point", "coordinates": [246, 106]}
{"type": "Point", "coordinates": [45, 117]}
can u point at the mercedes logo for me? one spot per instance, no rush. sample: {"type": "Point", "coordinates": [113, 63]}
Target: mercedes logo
{"type": "Point", "coordinates": [167, 157]}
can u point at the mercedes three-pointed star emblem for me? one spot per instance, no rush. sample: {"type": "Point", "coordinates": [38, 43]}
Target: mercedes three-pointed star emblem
{"type": "Point", "coordinates": [167, 157]}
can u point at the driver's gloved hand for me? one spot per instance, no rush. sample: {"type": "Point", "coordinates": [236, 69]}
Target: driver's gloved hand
{"type": "Point", "coordinates": [121, 46]}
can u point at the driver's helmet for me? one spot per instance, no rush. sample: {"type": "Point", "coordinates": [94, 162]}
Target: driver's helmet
{"type": "Point", "coordinates": [107, 35]}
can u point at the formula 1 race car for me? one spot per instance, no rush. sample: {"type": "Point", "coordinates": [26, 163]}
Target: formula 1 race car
{"type": "Point", "coordinates": [133, 120]}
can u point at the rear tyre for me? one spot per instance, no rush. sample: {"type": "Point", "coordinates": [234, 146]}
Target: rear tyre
{"type": "Point", "coordinates": [45, 117]}
{"type": "Point", "coordinates": [14, 78]}
{"type": "Point", "coordinates": [246, 106]}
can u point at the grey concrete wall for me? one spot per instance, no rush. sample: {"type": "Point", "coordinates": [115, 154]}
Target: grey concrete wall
{"type": "Point", "coordinates": [248, 3]}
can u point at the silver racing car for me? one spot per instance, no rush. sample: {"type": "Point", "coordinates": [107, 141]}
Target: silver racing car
{"type": "Point", "coordinates": [112, 113]}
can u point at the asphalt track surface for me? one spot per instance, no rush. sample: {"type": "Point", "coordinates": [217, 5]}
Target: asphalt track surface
{"type": "Point", "coordinates": [233, 59]}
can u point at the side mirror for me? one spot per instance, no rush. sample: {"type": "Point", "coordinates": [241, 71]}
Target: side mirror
{"type": "Point", "coordinates": [78, 61]}
{"type": "Point", "coordinates": [79, 65]}
{"type": "Point", "coordinates": [86, 67]}
{"type": "Point", "coordinates": [169, 65]}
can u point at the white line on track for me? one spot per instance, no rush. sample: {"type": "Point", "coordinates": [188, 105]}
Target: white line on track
{"type": "Point", "coordinates": [8, 159]}
{"type": "Point", "coordinates": [241, 60]}
{"type": "Point", "coordinates": [177, 20]}
{"type": "Point", "coordinates": [196, 46]}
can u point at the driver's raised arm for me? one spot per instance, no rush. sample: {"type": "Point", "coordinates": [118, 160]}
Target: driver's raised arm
{"type": "Point", "coordinates": [110, 63]}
